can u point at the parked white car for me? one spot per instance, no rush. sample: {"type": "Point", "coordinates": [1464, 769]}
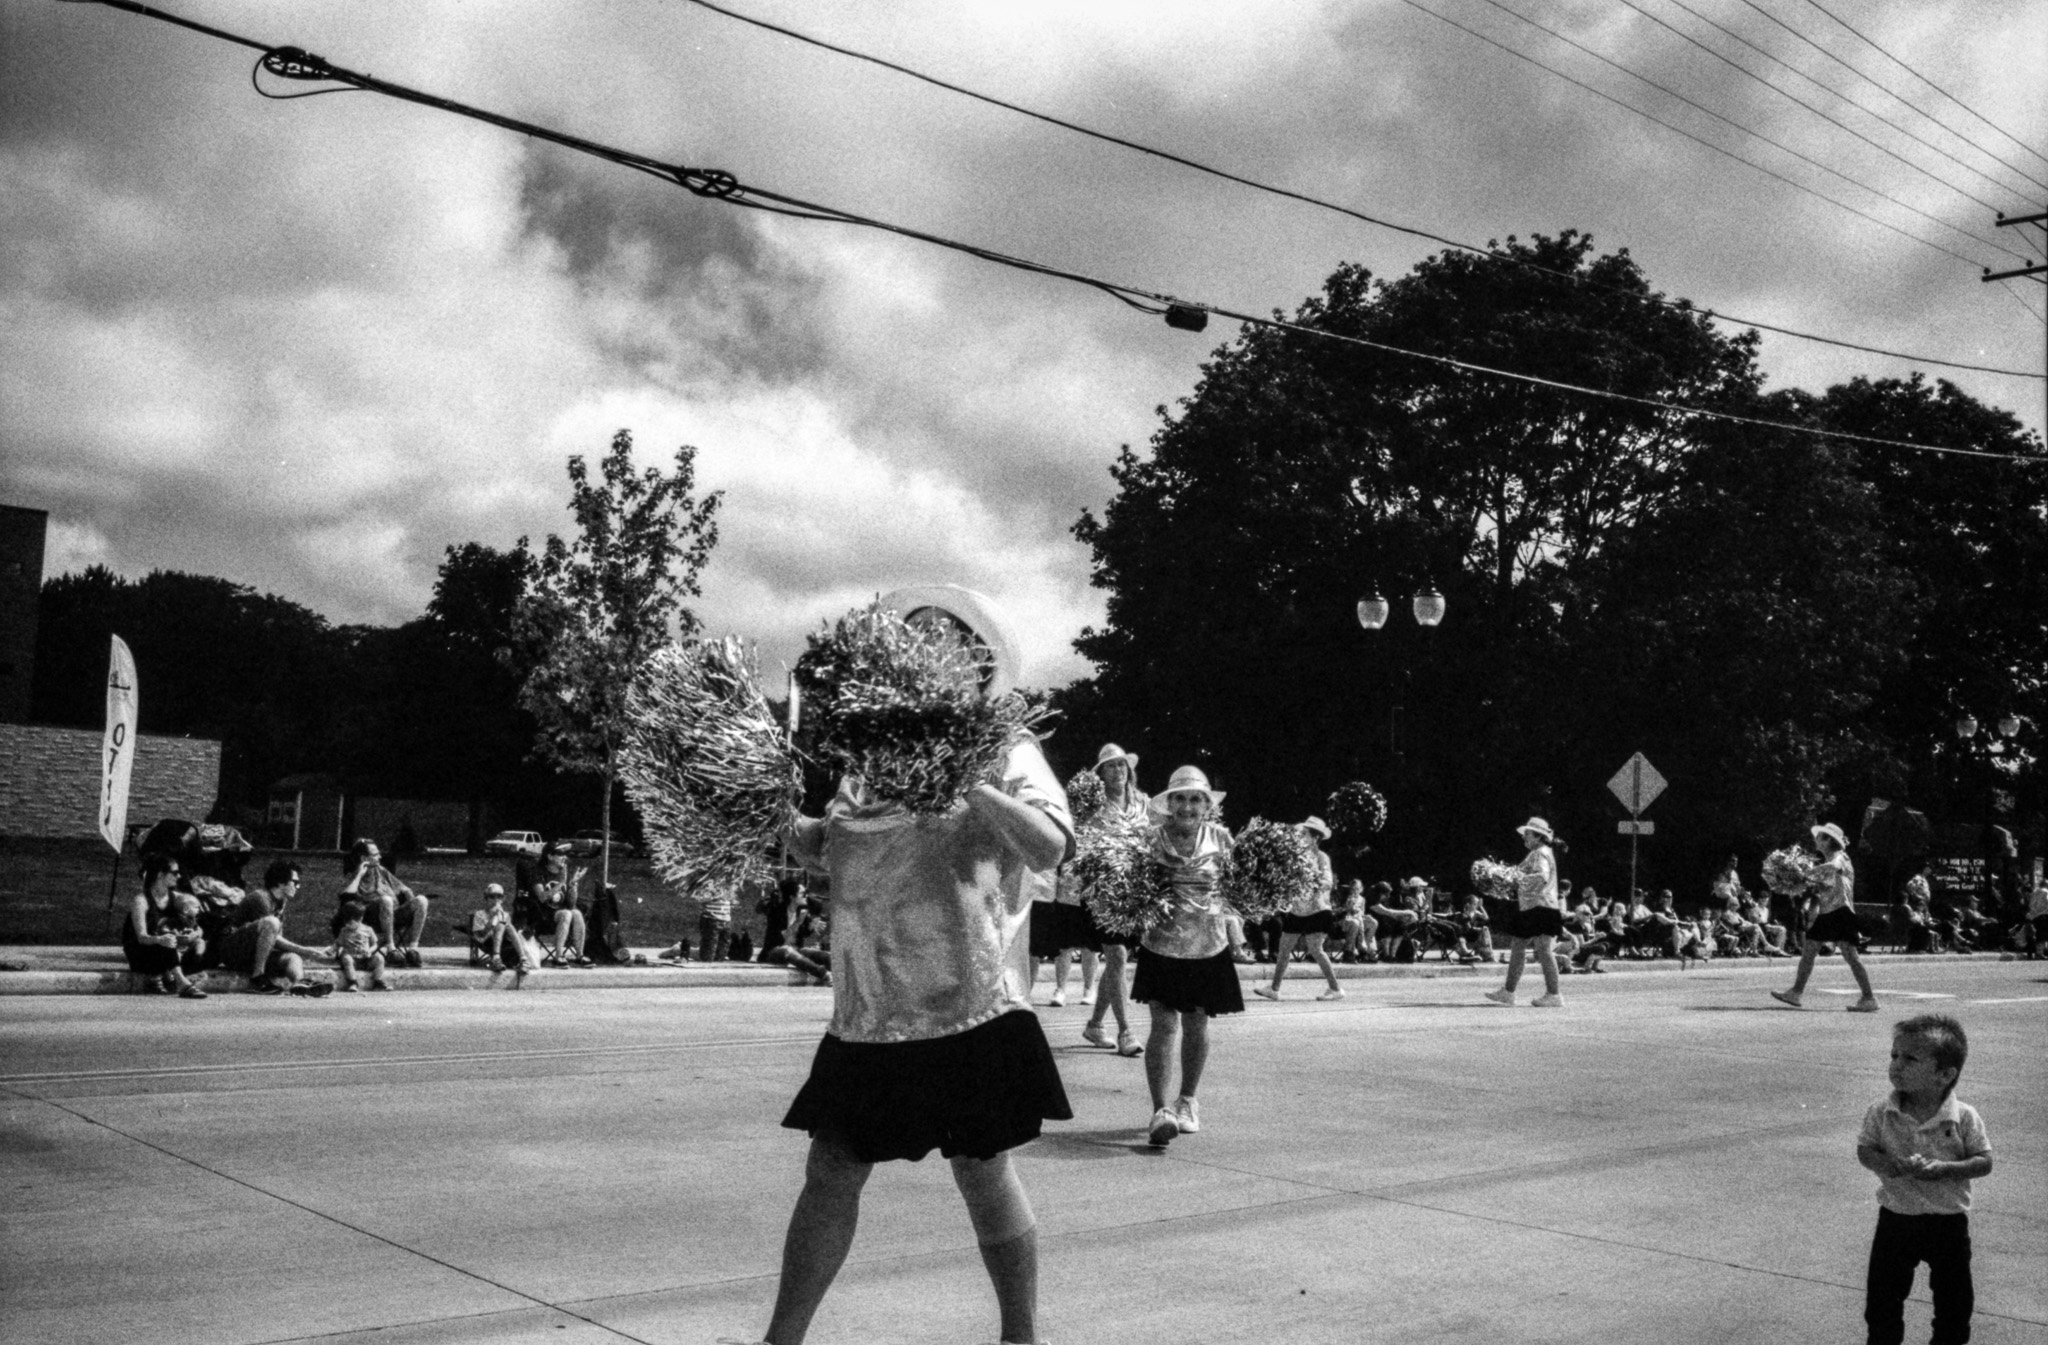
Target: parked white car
{"type": "Point", "coordinates": [525, 844]}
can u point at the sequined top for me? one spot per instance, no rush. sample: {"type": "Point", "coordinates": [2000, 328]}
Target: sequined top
{"type": "Point", "coordinates": [1536, 879]}
{"type": "Point", "coordinates": [1196, 928]}
{"type": "Point", "coordinates": [1316, 896]}
{"type": "Point", "coordinates": [1834, 881]}
{"type": "Point", "coordinates": [1071, 890]}
{"type": "Point", "coordinates": [928, 913]}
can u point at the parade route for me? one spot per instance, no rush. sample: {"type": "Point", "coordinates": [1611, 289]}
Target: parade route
{"type": "Point", "coordinates": [1670, 1158]}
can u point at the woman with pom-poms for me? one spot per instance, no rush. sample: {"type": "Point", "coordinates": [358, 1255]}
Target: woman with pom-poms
{"type": "Point", "coordinates": [1309, 919]}
{"type": "Point", "coordinates": [1537, 918]}
{"type": "Point", "coordinates": [933, 1043]}
{"type": "Point", "coordinates": [1122, 806]}
{"type": "Point", "coordinates": [1833, 881]}
{"type": "Point", "coordinates": [1185, 972]}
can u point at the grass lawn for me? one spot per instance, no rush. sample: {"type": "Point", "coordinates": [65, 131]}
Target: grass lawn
{"type": "Point", "coordinates": [55, 892]}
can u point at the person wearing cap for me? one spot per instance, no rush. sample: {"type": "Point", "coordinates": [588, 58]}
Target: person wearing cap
{"type": "Point", "coordinates": [1537, 919]}
{"type": "Point", "coordinates": [1121, 803]}
{"type": "Point", "coordinates": [491, 932]}
{"type": "Point", "coordinates": [1310, 920]}
{"type": "Point", "coordinates": [1833, 881]}
{"type": "Point", "coordinates": [1185, 972]}
{"type": "Point", "coordinates": [933, 1043]}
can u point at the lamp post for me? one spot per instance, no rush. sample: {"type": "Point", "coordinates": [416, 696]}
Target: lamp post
{"type": "Point", "coordinates": [1428, 608]}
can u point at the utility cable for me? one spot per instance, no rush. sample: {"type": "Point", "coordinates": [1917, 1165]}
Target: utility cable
{"type": "Point", "coordinates": [294, 63]}
{"type": "Point", "coordinates": [1787, 94]}
{"type": "Point", "coordinates": [1322, 204]}
{"type": "Point", "coordinates": [1872, 44]}
{"type": "Point", "coordinates": [1894, 94]}
{"type": "Point", "coordinates": [1910, 134]}
{"type": "Point", "coordinates": [1735, 125]}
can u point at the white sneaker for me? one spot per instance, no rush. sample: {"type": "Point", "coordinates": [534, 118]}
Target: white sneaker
{"type": "Point", "coordinates": [1058, 1000]}
{"type": "Point", "coordinates": [1164, 1128]}
{"type": "Point", "coordinates": [1265, 992]}
{"type": "Point", "coordinates": [1094, 1035]}
{"type": "Point", "coordinates": [1087, 998]}
{"type": "Point", "coordinates": [1501, 996]}
{"type": "Point", "coordinates": [1187, 1116]}
{"type": "Point", "coordinates": [1334, 992]}
{"type": "Point", "coordinates": [1127, 1045]}
{"type": "Point", "coordinates": [1868, 1004]}
{"type": "Point", "coordinates": [1551, 1001]}
{"type": "Point", "coordinates": [1786, 997]}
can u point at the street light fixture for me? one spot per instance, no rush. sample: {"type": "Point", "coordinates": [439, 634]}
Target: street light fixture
{"type": "Point", "coordinates": [1966, 726]}
{"type": "Point", "coordinates": [1428, 607]}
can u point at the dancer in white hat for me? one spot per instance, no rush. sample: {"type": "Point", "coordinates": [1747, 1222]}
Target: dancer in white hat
{"type": "Point", "coordinates": [1538, 917]}
{"type": "Point", "coordinates": [1834, 882]}
{"type": "Point", "coordinates": [1121, 802]}
{"type": "Point", "coordinates": [1309, 921]}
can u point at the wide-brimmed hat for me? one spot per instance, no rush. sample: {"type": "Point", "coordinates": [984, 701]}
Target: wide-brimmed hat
{"type": "Point", "coordinates": [1185, 780]}
{"type": "Point", "coordinates": [978, 613]}
{"type": "Point", "coordinates": [1833, 833]}
{"type": "Point", "coordinates": [1539, 826]}
{"type": "Point", "coordinates": [1317, 825]}
{"type": "Point", "coordinates": [1111, 752]}
{"type": "Point", "coordinates": [494, 889]}
{"type": "Point", "coordinates": [1410, 884]}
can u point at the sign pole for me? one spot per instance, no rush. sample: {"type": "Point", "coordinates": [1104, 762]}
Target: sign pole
{"type": "Point", "coordinates": [1635, 834]}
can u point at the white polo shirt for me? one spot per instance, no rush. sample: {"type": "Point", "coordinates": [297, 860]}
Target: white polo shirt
{"type": "Point", "coordinates": [1954, 1132]}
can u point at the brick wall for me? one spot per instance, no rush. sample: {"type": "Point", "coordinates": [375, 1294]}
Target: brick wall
{"type": "Point", "coordinates": [50, 780]}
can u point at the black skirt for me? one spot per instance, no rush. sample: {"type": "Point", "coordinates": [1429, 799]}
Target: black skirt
{"type": "Point", "coordinates": [1315, 922]}
{"type": "Point", "coordinates": [1837, 926]}
{"type": "Point", "coordinates": [975, 1093]}
{"type": "Point", "coordinates": [1186, 984]}
{"type": "Point", "coordinates": [1057, 927]}
{"type": "Point", "coordinates": [1535, 922]}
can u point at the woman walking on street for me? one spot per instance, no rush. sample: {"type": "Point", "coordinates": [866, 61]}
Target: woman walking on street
{"type": "Point", "coordinates": [1310, 920]}
{"type": "Point", "coordinates": [1538, 917]}
{"type": "Point", "coordinates": [1834, 882]}
{"type": "Point", "coordinates": [1185, 972]}
{"type": "Point", "coordinates": [1121, 804]}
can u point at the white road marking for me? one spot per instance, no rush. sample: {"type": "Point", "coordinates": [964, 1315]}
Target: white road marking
{"type": "Point", "coordinates": [1886, 994]}
{"type": "Point", "coordinates": [2023, 999]}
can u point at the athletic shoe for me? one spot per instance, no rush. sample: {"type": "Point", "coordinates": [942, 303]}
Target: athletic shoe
{"type": "Point", "coordinates": [412, 957]}
{"type": "Point", "coordinates": [1127, 1045]}
{"type": "Point", "coordinates": [1501, 996]}
{"type": "Point", "coordinates": [1058, 1000]}
{"type": "Point", "coordinates": [190, 991]}
{"type": "Point", "coordinates": [1547, 1002]}
{"type": "Point", "coordinates": [1164, 1128]}
{"type": "Point", "coordinates": [1087, 999]}
{"type": "Point", "coordinates": [263, 985]}
{"type": "Point", "coordinates": [1094, 1035]}
{"type": "Point", "coordinates": [1187, 1116]}
{"type": "Point", "coordinates": [1265, 992]}
{"type": "Point", "coordinates": [1335, 992]}
{"type": "Point", "coordinates": [1786, 997]}
{"type": "Point", "coordinates": [1868, 1004]}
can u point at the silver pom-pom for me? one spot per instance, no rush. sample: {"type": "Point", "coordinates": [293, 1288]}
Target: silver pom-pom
{"type": "Point", "coordinates": [1271, 867]}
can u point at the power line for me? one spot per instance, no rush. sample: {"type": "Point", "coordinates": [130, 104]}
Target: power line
{"type": "Point", "coordinates": [293, 63]}
{"type": "Point", "coordinates": [1896, 96]}
{"type": "Point", "coordinates": [1910, 134]}
{"type": "Point", "coordinates": [1868, 42]}
{"type": "Point", "coordinates": [1322, 204]}
{"type": "Point", "coordinates": [1701, 107]}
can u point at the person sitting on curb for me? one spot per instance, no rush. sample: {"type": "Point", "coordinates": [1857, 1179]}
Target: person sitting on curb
{"type": "Point", "coordinates": [356, 943]}
{"type": "Point", "coordinates": [548, 908]}
{"type": "Point", "coordinates": [151, 938]}
{"type": "Point", "coordinates": [491, 933]}
{"type": "Point", "coordinates": [256, 938]}
{"type": "Point", "coordinates": [1395, 922]}
{"type": "Point", "coordinates": [388, 904]}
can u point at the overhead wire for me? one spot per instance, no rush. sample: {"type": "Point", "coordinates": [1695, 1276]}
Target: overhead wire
{"type": "Point", "coordinates": [1794, 98]}
{"type": "Point", "coordinates": [1873, 45]}
{"type": "Point", "coordinates": [294, 63]}
{"type": "Point", "coordinates": [1338, 208]}
{"type": "Point", "coordinates": [1909, 133]}
{"type": "Point", "coordinates": [1895, 95]}
{"type": "Point", "coordinates": [1807, 159]}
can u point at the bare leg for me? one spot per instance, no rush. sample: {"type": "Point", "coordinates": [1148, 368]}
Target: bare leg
{"type": "Point", "coordinates": [1194, 1050]}
{"type": "Point", "coordinates": [1518, 953]}
{"type": "Point", "coordinates": [383, 913]}
{"type": "Point", "coordinates": [1322, 959]}
{"type": "Point", "coordinates": [1281, 958]}
{"type": "Point", "coordinates": [1008, 1234]}
{"type": "Point", "coordinates": [820, 1233]}
{"type": "Point", "coordinates": [1159, 1054]}
{"type": "Point", "coordinates": [1087, 972]}
{"type": "Point", "coordinates": [1109, 989]}
{"type": "Point", "coordinates": [1059, 972]}
{"type": "Point", "coordinates": [1856, 969]}
{"type": "Point", "coordinates": [1806, 956]}
{"type": "Point", "coordinates": [1547, 960]}
{"type": "Point", "coordinates": [267, 931]}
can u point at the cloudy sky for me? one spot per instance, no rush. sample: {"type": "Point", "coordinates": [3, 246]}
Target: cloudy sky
{"type": "Point", "coordinates": [308, 345]}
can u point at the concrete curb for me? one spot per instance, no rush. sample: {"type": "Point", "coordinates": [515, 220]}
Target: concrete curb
{"type": "Point", "coordinates": [101, 971]}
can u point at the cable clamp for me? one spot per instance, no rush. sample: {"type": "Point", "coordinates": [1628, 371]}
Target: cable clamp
{"type": "Point", "coordinates": [713, 182]}
{"type": "Point", "coordinates": [296, 63]}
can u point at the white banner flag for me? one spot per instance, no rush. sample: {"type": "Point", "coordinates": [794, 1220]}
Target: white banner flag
{"type": "Point", "coordinates": [117, 754]}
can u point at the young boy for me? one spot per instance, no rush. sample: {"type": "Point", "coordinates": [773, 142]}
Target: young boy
{"type": "Point", "coordinates": [355, 941]}
{"type": "Point", "coordinates": [490, 929]}
{"type": "Point", "coordinates": [1925, 1146]}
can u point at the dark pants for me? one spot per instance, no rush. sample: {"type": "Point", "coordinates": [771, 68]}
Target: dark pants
{"type": "Point", "coordinates": [1903, 1241]}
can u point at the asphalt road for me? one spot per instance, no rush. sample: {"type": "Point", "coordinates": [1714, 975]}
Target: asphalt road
{"type": "Point", "coordinates": [1669, 1158]}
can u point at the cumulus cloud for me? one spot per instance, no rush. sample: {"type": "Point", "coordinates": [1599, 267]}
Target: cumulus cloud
{"type": "Point", "coordinates": [309, 345]}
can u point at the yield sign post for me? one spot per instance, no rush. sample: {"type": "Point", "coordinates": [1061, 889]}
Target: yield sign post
{"type": "Point", "coordinates": [1637, 784]}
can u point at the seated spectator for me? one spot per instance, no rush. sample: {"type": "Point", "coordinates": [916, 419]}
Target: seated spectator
{"type": "Point", "coordinates": [398, 914]}
{"type": "Point", "coordinates": [1474, 932]}
{"type": "Point", "coordinates": [152, 938]}
{"type": "Point", "coordinates": [356, 945]}
{"type": "Point", "coordinates": [1356, 926]}
{"type": "Point", "coordinates": [789, 923]}
{"type": "Point", "coordinates": [1664, 933]}
{"type": "Point", "coordinates": [1968, 928]}
{"type": "Point", "coordinates": [1735, 935]}
{"type": "Point", "coordinates": [549, 909]}
{"type": "Point", "coordinates": [255, 940]}
{"type": "Point", "coordinates": [1589, 935]}
{"type": "Point", "coordinates": [491, 933]}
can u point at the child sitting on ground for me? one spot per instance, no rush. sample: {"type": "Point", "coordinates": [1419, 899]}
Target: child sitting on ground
{"type": "Point", "coordinates": [1925, 1146]}
{"type": "Point", "coordinates": [355, 942]}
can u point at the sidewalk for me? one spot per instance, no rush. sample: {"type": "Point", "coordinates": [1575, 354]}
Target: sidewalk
{"type": "Point", "coordinates": [101, 970]}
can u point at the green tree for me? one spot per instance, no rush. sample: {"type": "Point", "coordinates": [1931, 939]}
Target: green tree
{"type": "Point", "coordinates": [598, 606]}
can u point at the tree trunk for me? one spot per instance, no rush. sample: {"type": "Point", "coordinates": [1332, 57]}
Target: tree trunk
{"type": "Point", "coordinates": [604, 862]}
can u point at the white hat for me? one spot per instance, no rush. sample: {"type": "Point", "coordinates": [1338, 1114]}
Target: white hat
{"type": "Point", "coordinates": [1413, 883]}
{"type": "Point", "coordinates": [1539, 826]}
{"type": "Point", "coordinates": [977, 613]}
{"type": "Point", "coordinates": [1111, 752]}
{"type": "Point", "coordinates": [1833, 833]}
{"type": "Point", "coordinates": [494, 890]}
{"type": "Point", "coordinates": [1317, 825]}
{"type": "Point", "coordinates": [1185, 780]}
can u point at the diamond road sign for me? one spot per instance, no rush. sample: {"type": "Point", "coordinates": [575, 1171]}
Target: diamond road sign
{"type": "Point", "coordinates": [1637, 784]}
